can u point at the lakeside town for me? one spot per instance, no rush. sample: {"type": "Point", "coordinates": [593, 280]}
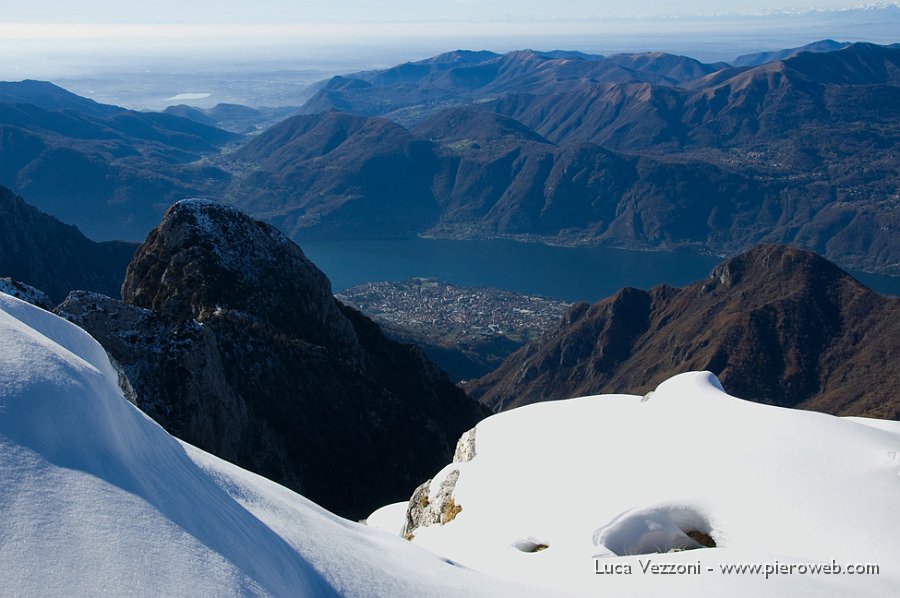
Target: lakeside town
{"type": "Point", "coordinates": [447, 312]}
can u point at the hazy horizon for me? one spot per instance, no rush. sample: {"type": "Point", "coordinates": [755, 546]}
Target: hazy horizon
{"type": "Point", "coordinates": [391, 11]}
{"type": "Point", "coordinates": [146, 64]}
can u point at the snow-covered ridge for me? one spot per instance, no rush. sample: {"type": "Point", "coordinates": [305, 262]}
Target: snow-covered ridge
{"type": "Point", "coordinates": [618, 479]}
{"type": "Point", "coordinates": [97, 498]}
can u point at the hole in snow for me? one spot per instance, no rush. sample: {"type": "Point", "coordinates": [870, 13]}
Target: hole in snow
{"type": "Point", "coordinates": [665, 528]}
{"type": "Point", "coordinates": [701, 538]}
{"type": "Point", "coordinates": [530, 545]}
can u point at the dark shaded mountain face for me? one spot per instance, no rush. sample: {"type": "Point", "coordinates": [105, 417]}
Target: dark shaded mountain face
{"type": "Point", "coordinates": [336, 175]}
{"type": "Point", "coordinates": [776, 325]}
{"type": "Point", "coordinates": [232, 341]}
{"type": "Point", "coordinates": [41, 251]}
{"type": "Point", "coordinates": [110, 171]}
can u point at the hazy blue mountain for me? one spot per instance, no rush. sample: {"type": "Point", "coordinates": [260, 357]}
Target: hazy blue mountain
{"type": "Point", "coordinates": [234, 117]}
{"type": "Point", "coordinates": [757, 58]}
{"type": "Point", "coordinates": [410, 92]}
{"type": "Point", "coordinates": [51, 97]}
{"type": "Point", "coordinates": [110, 171]}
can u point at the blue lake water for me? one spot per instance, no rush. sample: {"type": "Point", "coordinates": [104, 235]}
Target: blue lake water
{"type": "Point", "coordinates": [568, 273]}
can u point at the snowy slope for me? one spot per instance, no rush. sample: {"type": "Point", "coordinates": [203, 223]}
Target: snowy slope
{"type": "Point", "coordinates": [620, 477]}
{"type": "Point", "coordinates": [95, 498]}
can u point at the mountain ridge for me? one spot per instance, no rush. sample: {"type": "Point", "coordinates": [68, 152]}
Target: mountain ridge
{"type": "Point", "coordinates": [109, 170]}
{"type": "Point", "coordinates": [777, 325]}
{"type": "Point", "coordinates": [794, 151]}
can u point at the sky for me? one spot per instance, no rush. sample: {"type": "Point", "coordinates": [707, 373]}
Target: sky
{"type": "Point", "coordinates": [67, 41]}
{"type": "Point", "coordinates": [290, 11]}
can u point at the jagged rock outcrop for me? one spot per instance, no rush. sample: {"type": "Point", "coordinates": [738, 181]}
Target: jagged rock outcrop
{"type": "Point", "coordinates": [233, 342]}
{"type": "Point", "coordinates": [775, 324]}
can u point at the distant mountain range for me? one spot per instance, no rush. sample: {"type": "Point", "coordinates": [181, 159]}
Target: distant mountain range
{"type": "Point", "coordinates": [646, 151]}
{"type": "Point", "coordinates": [758, 58]}
{"type": "Point", "coordinates": [777, 325]}
{"type": "Point", "coordinates": [643, 151]}
{"type": "Point", "coordinates": [232, 117]}
{"type": "Point", "coordinates": [410, 92]}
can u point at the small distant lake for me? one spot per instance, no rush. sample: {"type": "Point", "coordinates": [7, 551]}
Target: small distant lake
{"type": "Point", "coordinates": [567, 273]}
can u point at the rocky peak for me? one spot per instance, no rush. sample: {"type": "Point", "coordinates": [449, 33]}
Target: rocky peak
{"type": "Point", "coordinates": [207, 260]}
{"type": "Point", "coordinates": [233, 342]}
{"type": "Point", "coordinates": [776, 324]}
{"type": "Point", "coordinates": [777, 262]}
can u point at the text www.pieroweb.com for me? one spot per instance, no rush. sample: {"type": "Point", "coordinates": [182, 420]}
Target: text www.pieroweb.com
{"type": "Point", "coordinates": [766, 570]}
{"type": "Point", "coordinates": [775, 568]}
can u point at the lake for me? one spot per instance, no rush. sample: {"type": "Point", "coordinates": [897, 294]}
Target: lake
{"type": "Point", "coordinates": [567, 273]}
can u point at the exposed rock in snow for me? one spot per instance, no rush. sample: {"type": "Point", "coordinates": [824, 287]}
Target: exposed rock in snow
{"type": "Point", "coordinates": [465, 448]}
{"type": "Point", "coordinates": [432, 503]}
{"type": "Point", "coordinates": [25, 292]}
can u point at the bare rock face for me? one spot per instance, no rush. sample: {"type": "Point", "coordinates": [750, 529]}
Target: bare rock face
{"type": "Point", "coordinates": [432, 504]}
{"type": "Point", "coordinates": [175, 367]}
{"type": "Point", "coordinates": [234, 343]}
{"type": "Point", "coordinates": [206, 258]}
{"type": "Point", "coordinates": [465, 448]}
